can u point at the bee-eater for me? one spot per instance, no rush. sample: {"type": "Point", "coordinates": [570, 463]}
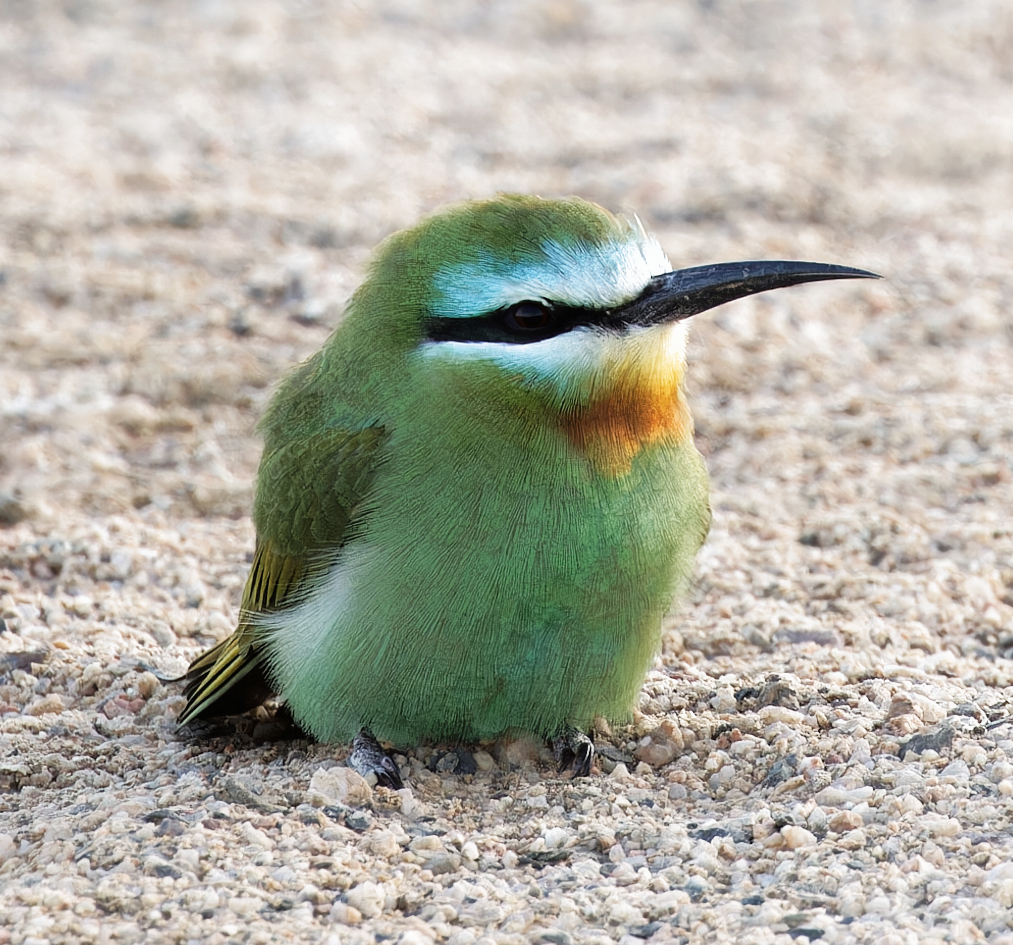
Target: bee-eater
{"type": "Point", "coordinates": [477, 501]}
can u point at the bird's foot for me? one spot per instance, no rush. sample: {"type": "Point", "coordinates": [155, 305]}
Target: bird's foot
{"type": "Point", "coordinates": [367, 757]}
{"type": "Point", "coordinates": [572, 746]}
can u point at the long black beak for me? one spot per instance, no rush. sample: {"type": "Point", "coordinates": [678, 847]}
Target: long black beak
{"type": "Point", "coordinates": [685, 292]}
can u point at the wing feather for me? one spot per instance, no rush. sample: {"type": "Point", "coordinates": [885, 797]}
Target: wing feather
{"type": "Point", "coordinates": [309, 492]}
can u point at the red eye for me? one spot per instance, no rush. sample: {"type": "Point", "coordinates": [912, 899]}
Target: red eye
{"type": "Point", "coordinates": [528, 316]}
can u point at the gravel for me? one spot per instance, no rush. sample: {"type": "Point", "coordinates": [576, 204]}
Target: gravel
{"type": "Point", "coordinates": [824, 750]}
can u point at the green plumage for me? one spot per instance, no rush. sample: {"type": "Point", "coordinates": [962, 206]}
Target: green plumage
{"type": "Point", "coordinates": [505, 584]}
{"type": "Point", "coordinates": [437, 558]}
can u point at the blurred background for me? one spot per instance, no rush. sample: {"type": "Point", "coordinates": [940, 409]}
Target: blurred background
{"type": "Point", "coordinates": [190, 190]}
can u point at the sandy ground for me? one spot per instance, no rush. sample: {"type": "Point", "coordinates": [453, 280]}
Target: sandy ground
{"type": "Point", "coordinates": [188, 193]}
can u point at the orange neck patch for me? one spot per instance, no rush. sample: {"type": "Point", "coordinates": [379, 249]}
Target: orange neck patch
{"type": "Point", "coordinates": [627, 416]}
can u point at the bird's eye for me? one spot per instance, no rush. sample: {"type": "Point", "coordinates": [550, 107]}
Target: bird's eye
{"type": "Point", "coordinates": [528, 317]}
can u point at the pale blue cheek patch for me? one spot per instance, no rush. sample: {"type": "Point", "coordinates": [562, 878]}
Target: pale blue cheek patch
{"type": "Point", "coordinates": [581, 274]}
{"type": "Point", "coordinates": [571, 353]}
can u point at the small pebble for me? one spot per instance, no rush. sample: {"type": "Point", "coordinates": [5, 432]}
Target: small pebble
{"type": "Point", "coordinates": [339, 785]}
{"type": "Point", "coordinates": [345, 914]}
{"type": "Point", "coordinates": [844, 821]}
{"type": "Point", "coordinates": [795, 837]}
{"type": "Point", "coordinates": [368, 898]}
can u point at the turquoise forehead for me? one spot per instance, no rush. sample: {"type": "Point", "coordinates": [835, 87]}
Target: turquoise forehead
{"type": "Point", "coordinates": [595, 275]}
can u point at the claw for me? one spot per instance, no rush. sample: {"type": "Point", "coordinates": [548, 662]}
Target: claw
{"type": "Point", "coordinates": [572, 745]}
{"type": "Point", "coordinates": [367, 757]}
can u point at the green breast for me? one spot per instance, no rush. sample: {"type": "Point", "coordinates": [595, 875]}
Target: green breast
{"type": "Point", "coordinates": [508, 584]}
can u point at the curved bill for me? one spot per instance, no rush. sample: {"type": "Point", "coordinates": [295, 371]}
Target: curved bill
{"type": "Point", "coordinates": [676, 295]}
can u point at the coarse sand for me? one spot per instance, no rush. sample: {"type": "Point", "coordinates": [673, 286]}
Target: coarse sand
{"type": "Point", "coordinates": [189, 191]}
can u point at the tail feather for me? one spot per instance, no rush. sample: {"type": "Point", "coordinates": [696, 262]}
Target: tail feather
{"type": "Point", "coordinates": [228, 679]}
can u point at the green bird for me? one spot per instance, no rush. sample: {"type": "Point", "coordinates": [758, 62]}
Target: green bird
{"type": "Point", "coordinates": [478, 500]}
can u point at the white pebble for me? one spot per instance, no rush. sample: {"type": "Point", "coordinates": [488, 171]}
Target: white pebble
{"type": "Point", "coordinates": [795, 836]}
{"type": "Point", "coordinates": [415, 937]}
{"type": "Point", "coordinates": [622, 912]}
{"type": "Point", "coordinates": [245, 905]}
{"type": "Point", "coordinates": [257, 837]}
{"type": "Point", "coordinates": [188, 859]}
{"type": "Point", "coordinates": [383, 843]}
{"type": "Point", "coordinates": [368, 898]}
{"type": "Point", "coordinates": [998, 884]}
{"type": "Point", "coordinates": [853, 839]}
{"type": "Point", "coordinates": [939, 825]}
{"type": "Point", "coordinates": [1000, 771]}
{"type": "Point", "coordinates": [339, 785]}
{"type": "Point", "coordinates": [555, 838]}
{"type": "Point", "coordinates": [957, 771]}
{"type": "Point", "coordinates": [345, 914]}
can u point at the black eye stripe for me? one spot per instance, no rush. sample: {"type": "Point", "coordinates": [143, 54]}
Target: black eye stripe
{"type": "Point", "coordinates": [521, 323]}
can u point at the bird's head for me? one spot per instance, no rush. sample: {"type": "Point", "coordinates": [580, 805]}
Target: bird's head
{"type": "Point", "coordinates": [557, 306]}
